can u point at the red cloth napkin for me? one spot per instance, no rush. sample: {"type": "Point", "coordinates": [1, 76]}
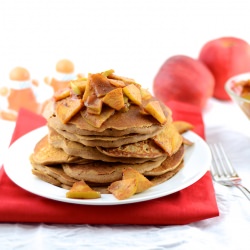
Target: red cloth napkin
{"type": "Point", "coordinates": [194, 203]}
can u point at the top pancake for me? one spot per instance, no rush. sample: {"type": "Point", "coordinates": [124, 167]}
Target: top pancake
{"type": "Point", "coordinates": [96, 111]}
{"type": "Point", "coordinates": [102, 125]}
{"type": "Point", "coordinates": [119, 124]}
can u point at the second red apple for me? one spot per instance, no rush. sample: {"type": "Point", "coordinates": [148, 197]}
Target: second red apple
{"type": "Point", "coordinates": [182, 78]}
{"type": "Point", "coordinates": [225, 57]}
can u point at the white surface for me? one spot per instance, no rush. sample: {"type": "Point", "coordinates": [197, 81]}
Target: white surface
{"type": "Point", "coordinates": [132, 36]}
{"type": "Point", "coordinates": [197, 161]}
{"type": "Point", "coordinates": [228, 231]}
{"type": "Point", "coordinates": [135, 38]}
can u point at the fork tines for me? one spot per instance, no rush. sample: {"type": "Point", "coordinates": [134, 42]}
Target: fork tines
{"type": "Point", "coordinates": [221, 166]}
{"type": "Point", "coordinates": [223, 172]}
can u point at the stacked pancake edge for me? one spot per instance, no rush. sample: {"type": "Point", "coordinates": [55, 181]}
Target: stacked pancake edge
{"type": "Point", "coordinates": [83, 148]}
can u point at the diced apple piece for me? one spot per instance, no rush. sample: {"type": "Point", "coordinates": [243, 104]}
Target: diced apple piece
{"type": "Point", "coordinates": [154, 108]}
{"type": "Point", "coordinates": [96, 108]}
{"type": "Point", "coordinates": [94, 105]}
{"type": "Point", "coordinates": [101, 85]}
{"type": "Point", "coordinates": [125, 98]}
{"type": "Point", "coordinates": [133, 93]}
{"type": "Point", "coordinates": [97, 120]}
{"type": "Point", "coordinates": [142, 182]}
{"type": "Point", "coordinates": [107, 72]}
{"type": "Point", "coordinates": [117, 83]}
{"type": "Point", "coordinates": [126, 80]}
{"type": "Point", "coordinates": [187, 142]}
{"type": "Point", "coordinates": [145, 94]}
{"type": "Point", "coordinates": [75, 88]}
{"type": "Point", "coordinates": [123, 189]}
{"type": "Point", "coordinates": [80, 190]}
{"type": "Point", "coordinates": [126, 104]}
{"type": "Point", "coordinates": [182, 126]}
{"type": "Point", "coordinates": [169, 139]}
{"type": "Point", "coordinates": [89, 90]}
{"type": "Point", "coordinates": [114, 99]}
{"type": "Point", "coordinates": [78, 86]}
{"type": "Point", "coordinates": [67, 108]}
{"type": "Point", "coordinates": [61, 94]}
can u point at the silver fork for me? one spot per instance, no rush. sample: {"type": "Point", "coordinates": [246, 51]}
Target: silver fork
{"type": "Point", "coordinates": [222, 170]}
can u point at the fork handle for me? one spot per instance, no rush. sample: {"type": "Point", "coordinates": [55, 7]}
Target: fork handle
{"type": "Point", "coordinates": [244, 190]}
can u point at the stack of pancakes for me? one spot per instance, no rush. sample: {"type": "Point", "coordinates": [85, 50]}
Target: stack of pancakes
{"type": "Point", "coordinates": [97, 149]}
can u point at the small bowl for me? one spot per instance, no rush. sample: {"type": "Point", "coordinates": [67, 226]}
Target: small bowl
{"type": "Point", "coordinates": [235, 91]}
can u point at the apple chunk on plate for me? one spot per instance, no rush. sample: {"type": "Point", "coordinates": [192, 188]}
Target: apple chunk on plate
{"type": "Point", "coordinates": [123, 189]}
{"type": "Point", "coordinates": [132, 183]}
{"type": "Point", "coordinates": [80, 190]}
{"type": "Point", "coordinates": [142, 182]}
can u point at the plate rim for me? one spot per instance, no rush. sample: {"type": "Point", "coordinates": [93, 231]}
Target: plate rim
{"type": "Point", "coordinates": [105, 198]}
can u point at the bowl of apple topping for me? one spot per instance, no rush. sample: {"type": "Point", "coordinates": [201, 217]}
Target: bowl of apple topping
{"type": "Point", "coordinates": [238, 88]}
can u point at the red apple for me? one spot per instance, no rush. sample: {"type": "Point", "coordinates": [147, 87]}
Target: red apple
{"type": "Point", "coordinates": [225, 57]}
{"type": "Point", "coordinates": [185, 79]}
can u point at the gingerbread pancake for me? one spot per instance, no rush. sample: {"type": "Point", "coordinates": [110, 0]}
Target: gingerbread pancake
{"type": "Point", "coordinates": [100, 125]}
{"type": "Point", "coordinates": [142, 149]}
{"type": "Point", "coordinates": [92, 153]}
{"type": "Point", "coordinates": [117, 125]}
{"type": "Point", "coordinates": [44, 153]}
{"type": "Point", "coordinates": [101, 172]}
{"type": "Point", "coordinates": [169, 164]}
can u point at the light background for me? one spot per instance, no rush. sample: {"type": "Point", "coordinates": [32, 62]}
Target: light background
{"type": "Point", "coordinates": [134, 37]}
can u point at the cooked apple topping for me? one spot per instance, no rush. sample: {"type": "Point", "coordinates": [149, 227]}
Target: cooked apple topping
{"type": "Point", "coordinates": [154, 108]}
{"type": "Point", "coordinates": [183, 126]}
{"type": "Point", "coordinates": [169, 139]}
{"type": "Point", "coordinates": [145, 94]}
{"type": "Point", "coordinates": [114, 99]}
{"type": "Point", "coordinates": [97, 120]}
{"type": "Point", "coordinates": [245, 91]}
{"type": "Point", "coordinates": [126, 80]}
{"type": "Point", "coordinates": [80, 190]}
{"type": "Point", "coordinates": [62, 94]}
{"type": "Point", "coordinates": [102, 94]}
{"type": "Point", "coordinates": [108, 72]}
{"type": "Point", "coordinates": [132, 182]}
{"type": "Point", "coordinates": [67, 108]}
{"type": "Point", "coordinates": [78, 86]}
{"type": "Point", "coordinates": [142, 182]}
{"type": "Point", "coordinates": [94, 105]}
{"type": "Point", "coordinates": [117, 83]}
{"type": "Point", "coordinates": [133, 93]}
{"type": "Point", "coordinates": [101, 84]}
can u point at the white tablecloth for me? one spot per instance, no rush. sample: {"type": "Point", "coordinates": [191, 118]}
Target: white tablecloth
{"type": "Point", "coordinates": [224, 122]}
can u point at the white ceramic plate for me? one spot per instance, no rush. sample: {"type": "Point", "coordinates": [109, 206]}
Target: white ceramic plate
{"type": "Point", "coordinates": [17, 166]}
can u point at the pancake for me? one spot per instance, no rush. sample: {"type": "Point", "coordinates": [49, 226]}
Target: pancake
{"type": "Point", "coordinates": [56, 176]}
{"type": "Point", "coordinates": [53, 174]}
{"type": "Point", "coordinates": [99, 175]}
{"type": "Point", "coordinates": [169, 164]}
{"type": "Point", "coordinates": [107, 142]}
{"type": "Point", "coordinates": [143, 149]}
{"type": "Point", "coordinates": [92, 153]}
{"type": "Point", "coordinates": [117, 125]}
{"type": "Point", "coordinates": [71, 127]}
{"type": "Point", "coordinates": [45, 154]}
{"type": "Point", "coordinates": [45, 177]}
{"type": "Point", "coordinates": [100, 172]}
{"type": "Point", "coordinates": [101, 125]}
{"type": "Point", "coordinates": [164, 177]}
